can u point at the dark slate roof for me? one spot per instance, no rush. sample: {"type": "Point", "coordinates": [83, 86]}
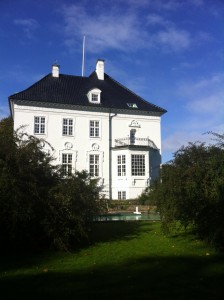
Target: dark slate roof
{"type": "Point", "coordinates": [73, 90]}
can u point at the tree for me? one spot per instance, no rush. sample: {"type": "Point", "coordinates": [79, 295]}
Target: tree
{"type": "Point", "coordinates": [38, 206]}
{"type": "Point", "coordinates": [26, 175]}
{"type": "Point", "coordinates": [190, 191]}
{"type": "Point", "coordinates": [73, 204]}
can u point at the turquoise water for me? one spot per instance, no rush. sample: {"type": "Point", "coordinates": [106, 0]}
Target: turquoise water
{"type": "Point", "coordinates": [128, 217]}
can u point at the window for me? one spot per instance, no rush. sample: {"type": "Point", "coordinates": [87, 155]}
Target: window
{"type": "Point", "coordinates": [121, 165]}
{"type": "Point", "coordinates": [94, 128]}
{"type": "Point", "coordinates": [132, 105]}
{"type": "Point", "coordinates": [138, 165]}
{"type": "Point", "coordinates": [122, 195]}
{"type": "Point", "coordinates": [67, 127]}
{"type": "Point", "coordinates": [39, 125]}
{"type": "Point", "coordinates": [67, 164]}
{"type": "Point", "coordinates": [132, 136]}
{"type": "Point", "coordinates": [95, 97]}
{"type": "Point", "coordinates": [94, 165]}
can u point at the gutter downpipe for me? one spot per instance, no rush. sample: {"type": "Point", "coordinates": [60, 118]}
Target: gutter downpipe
{"type": "Point", "coordinates": [110, 154]}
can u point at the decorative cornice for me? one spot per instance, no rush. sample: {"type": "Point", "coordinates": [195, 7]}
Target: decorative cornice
{"type": "Point", "coordinates": [90, 108]}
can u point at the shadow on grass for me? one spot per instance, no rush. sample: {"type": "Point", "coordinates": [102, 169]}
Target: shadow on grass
{"type": "Point", "coordinates": [119, 230]}
{"type": "Point", "coordinates": [181, 278]}
{"type": "Point", "coordinates": [101, 232]}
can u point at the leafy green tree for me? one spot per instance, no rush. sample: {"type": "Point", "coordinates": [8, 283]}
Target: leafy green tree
{"type": "Point", "coordinates": [73, 204]}
{"type": "Point", "coordinates": [38, 206]}
{"type": "Point", "coordinates": [26, 175]}
{"type": "Point", "coordinates": [190, 191]}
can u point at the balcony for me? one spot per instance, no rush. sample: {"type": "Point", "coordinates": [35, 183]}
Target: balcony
{"type": "Point", "coordinates": [129, 141]}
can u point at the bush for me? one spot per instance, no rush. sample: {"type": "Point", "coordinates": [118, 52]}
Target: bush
{"type": "Point", "coordinates": [39, 207]}
{"type": "Point", "coordinates": [72, 205]}
{"type": "Point", "coordinates": [190, 190]}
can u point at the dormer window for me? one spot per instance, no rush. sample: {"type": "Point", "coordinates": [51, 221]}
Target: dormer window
{"type": "Point", "coordinates": [132, 105]}
{"type": "Point", "coordinates": [94, 96]}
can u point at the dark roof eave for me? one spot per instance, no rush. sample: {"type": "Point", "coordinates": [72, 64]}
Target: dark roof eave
{"type": "Point", "coordinates": [90, 107]}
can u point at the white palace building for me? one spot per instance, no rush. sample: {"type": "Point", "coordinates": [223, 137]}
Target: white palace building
{"type": "Point", "coordinates": [96, 124]}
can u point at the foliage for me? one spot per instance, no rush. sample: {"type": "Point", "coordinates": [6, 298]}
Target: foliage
{"type": "Point", "coordinates": [145, 199]}
{"type": "Point", "coordinates": [37, 205]}
{"type": "Point", "coordinates": [191, 191]}
{"type": "Point", "coordinates": [72, 206]}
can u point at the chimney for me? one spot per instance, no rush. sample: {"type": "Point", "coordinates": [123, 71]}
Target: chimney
{"type": "Point", "coordinates": [55, 70]}
{"type": "Point", "coordinates": [100, 69]}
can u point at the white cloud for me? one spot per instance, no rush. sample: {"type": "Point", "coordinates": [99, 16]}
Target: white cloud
{"type": "Point", "coordinates": [124, 30]}
{"type": "Point", "coordinates": [170, 37]}
{"type": "Point", "coordinates": [208, 83]}
{"type": "Point", "coordinates": [174, 39]}
{"type": "Point", "coordinates": [161, 5]}
{"type": "Point", "coordinates": [173, 5]}
{"type": "Point", "coordinates": [197, 2]}
{"type": "Point", "coordinates": [19, 74]}
{"type": "Point", "coordinates": [166, 5]}
{"type": "Point", "coordinates": [205, 96]}
{"type": "Point", "coordinates": [28, 25]}
{"type": "Point", "coordinates": [105, 30]}
{"type": "Point", "coordinates": [181, 138]}
{"type": "Point", "coordinates": [212, 104]}
{"type": "Point", "coordinates": [155, 19]}
{"type": "Point", "coordinates": [201, 110]}
{"type": "Point", "coordinates": [134, 3]}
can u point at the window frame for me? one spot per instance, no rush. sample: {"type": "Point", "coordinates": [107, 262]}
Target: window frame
{"type": "Point", "coordinates": [94, 96]}
{"type": "Point", "coordinates": [67, 127]}
{"type": "Point", "coordinates": [132, 105]}
{"type": "Point", "coordinates": [39, 125]}
{"type": "Point", "coordinates": [94, 131]}
{"type": "Point", "coordinates": [67, 164]}
{"type": "Point", "coordinates": [94, 165]}
{"type": "Point", "coordinates": [121, 165]}
{"type": "Point", "coordinates": [138, 165]}
{"type": "Point", "coordinates": [121, 195]}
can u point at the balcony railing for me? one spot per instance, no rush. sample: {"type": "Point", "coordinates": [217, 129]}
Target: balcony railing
{"type": "Point", "coordinates": [128, 141]}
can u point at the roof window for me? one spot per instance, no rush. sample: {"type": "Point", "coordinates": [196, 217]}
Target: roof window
{"type": "Point", "coordinates": [132, 105]}
{"type": "Point", "coordinates": [94, 96]}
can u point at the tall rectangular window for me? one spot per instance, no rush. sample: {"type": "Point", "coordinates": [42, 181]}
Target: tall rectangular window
{"type": "Point", "coordinates": [66, 164]}
{"type": "Point", "coordinates": [121, 165]}
{"type": "Point", "coordinates": [94, 128]}
{"type": "Point", "coordinates": [67, 127]}
{"type": "Point", "coordinates": [138, 165]}
{"type": "Point", "coordinates": [39, 125]}
{"type": "Point", "coordinates": [121, 195]}
{"type": "Point", "coordinates": [94, 160]}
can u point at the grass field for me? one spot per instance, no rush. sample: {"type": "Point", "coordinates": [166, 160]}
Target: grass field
{"type": "Point", "coordinates": [128, 260]}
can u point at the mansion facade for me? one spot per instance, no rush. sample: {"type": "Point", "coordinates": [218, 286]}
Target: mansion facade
{"type": "Point", "coordinates": [96, 124]}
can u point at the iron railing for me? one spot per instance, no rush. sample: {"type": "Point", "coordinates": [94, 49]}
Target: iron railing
{"type": "Point", "coordinates": [129, 141]}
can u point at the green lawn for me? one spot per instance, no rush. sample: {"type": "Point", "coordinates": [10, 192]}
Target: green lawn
{"type": "Point", "coordinates": [129, 260]}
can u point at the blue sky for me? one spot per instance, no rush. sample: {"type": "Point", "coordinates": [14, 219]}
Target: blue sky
{"type": "Point", "coordinates": [170, 52]}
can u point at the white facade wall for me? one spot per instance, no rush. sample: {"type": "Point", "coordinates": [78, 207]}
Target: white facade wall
{"type": "Point", "coordinates": [81, 145]}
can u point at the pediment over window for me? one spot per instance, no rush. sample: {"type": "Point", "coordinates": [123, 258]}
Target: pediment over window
{"type": "Point", "coordinates": [94, 96]}
{"type": "Point", "coordinates": [68, 145]}
{"type": "Point", "coordinates": [95, 147]}
{"type": "Point", "coordinates": [134, 123]}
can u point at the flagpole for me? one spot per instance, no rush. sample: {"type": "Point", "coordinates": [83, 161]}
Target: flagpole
{"type": "Point", "coordinates": [83, 55]}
